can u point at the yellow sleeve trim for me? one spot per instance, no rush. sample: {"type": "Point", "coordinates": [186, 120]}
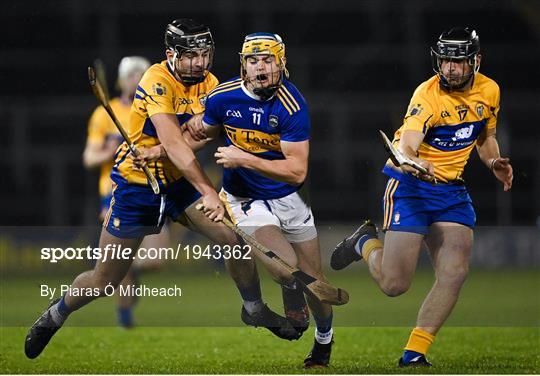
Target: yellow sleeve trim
{"type": "Point", "coordinates": [284, 103]}
{"type": "Point", "coordinates": [290, 97]}
{"type": "Point", "coordinates": [228, 88]}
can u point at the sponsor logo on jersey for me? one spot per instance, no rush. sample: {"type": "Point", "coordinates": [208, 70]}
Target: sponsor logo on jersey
{"type": "Point", "coordinates": [454, 137]}
{"type": "Point", "coordinates": [257, 109]}
{"type": "Point", "coordinates": [445, 114]}
{"type": "Point", "coordinates": [233, 113]}
{"type": "Point", "coordinates": [184, 101]}
{"type": "Point", "coordinates": [253, 141]}
{"type": "Point", "coordinates": [463, 133]}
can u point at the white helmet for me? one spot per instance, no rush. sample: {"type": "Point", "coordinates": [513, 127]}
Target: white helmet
{"type": "Point", "coordinates": [130, 64]}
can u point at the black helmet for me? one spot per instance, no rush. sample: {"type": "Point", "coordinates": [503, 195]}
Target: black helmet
{"type": "Point", "coordinates": [458, 43]}
{"type": "Point", "coordinates": [184, 35]}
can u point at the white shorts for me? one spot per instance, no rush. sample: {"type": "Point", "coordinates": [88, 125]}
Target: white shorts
{"type": "Point", "coordinates": [290, 213]}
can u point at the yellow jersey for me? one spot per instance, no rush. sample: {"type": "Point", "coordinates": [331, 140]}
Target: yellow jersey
{"type": "Point", "coordinates": [158, 92]}
{"type": "Point", "coordinates": [451, 122]}
{"type": "Point", "coordinates": [100, 129]}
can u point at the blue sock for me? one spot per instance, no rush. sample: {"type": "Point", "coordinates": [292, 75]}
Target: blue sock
{"type": "Point", "coordinates": [63, 309]}
{"type": "Point", "coordinates": [360, 243]}
{"type": "Point", "coordinates": [409, 355]}
{"type": "Point", "coordinates": [323, 324]}
{"type": "Point", "coordinates": [251, 293]}
{"type": "Point", "coordinates": [125, 317]}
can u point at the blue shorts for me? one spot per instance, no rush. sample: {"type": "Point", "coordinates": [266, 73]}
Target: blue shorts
{"type": "Point", "coordinates": [412, 205]}
{"type": "Point", "coordinates": [136, 211]}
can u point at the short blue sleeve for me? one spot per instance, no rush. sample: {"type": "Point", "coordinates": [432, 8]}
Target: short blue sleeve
{"type": "Point", "coordinates": [297, 126]}
{"type": "Point", "coordinates": [212, 115]}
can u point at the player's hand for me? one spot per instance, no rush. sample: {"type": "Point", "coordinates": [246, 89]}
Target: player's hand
{"type": "Point", "coordinates": [230, 156]}
{"type": "Point", "coordinates": [502, 169]}
{"type": "Point", "coordinates": [429, 177]}
{"type": "Point", "coordinates": [212, 207]}
{"type": "Point", "coordinates": [195, 128]}
{"type": "Point", "coordinates": [146, 156]}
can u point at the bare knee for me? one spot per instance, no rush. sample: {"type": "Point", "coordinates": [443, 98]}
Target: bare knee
{"type": "Point", "coordinates": [453, 276]}
{"type": "Point", "coordinates": [394, 287]}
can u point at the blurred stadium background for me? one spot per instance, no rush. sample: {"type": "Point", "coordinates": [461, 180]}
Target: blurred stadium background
{"type": "Point", "coordinates": [356, 62]}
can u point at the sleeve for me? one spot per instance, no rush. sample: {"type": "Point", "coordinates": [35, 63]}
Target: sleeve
{"type": "Point", "coordinates": [494, 108]}
{"type": "Point", "coordinates": [97, 127]}
{"type": "Point", "coordinates": [420, 114]}
{"type": "Point", "coordinates": [156, 93]}
{"type": "Point", "coordinates": [297, 126]}
{"type": "Point", "coordinates": [212, 113]}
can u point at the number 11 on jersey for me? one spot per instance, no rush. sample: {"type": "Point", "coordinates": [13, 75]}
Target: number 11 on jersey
{"type": "Point", "coordinates": [256, 118]}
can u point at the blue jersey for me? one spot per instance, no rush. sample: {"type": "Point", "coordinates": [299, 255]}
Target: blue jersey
{"type": "Point", "coordinates": [257, 127]}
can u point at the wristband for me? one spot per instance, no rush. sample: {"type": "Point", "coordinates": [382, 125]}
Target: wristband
{"type": "Point", "coordinates": [492, 164]}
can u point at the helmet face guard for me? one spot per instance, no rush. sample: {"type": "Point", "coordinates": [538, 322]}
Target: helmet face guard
{"type": "Point", "coordinates": [188, 39]}
{"type": "Point", "coordinates": [264, 44]}
{"type": "Point", "coordinates": [456, 46]}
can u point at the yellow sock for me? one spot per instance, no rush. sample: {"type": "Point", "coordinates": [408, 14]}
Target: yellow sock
{"type": "Point", "coordinates": [369, 246]}
{"type": "Point", "coordinates": [419, 341]}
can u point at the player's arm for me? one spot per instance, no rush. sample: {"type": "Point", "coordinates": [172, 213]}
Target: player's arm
{"type": "Point", "coordinates": [95, 155]}
{"type": "Point", "coordinates": [99, 148]}
{"type": "Point", "coordinates": [420, 116]}
{"type": "Point", "coordinates": [488, 151]}
{"type": "Point", "coordinates": [197, 133]}
{"type": "Point", "coordinates": [408, 145]}
{"type": "Point", "coordinates": [292, 170]}
{"type": "Point", "coordinates": [180, 154]}
{"type": "Point", "coordinates": [196, 143]}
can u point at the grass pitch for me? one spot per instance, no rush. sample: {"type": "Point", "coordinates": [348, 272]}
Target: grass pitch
{"type": "Point", "coordinates": [493, 329]}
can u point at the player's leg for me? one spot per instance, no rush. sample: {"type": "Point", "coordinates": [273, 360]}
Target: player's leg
{"type": "Point", "coordinates": [406, 221]}
{"type": "Point", "coordinates": [298, 227]}
{"type": "Point", "coordinates": [85, 288]}
{"type": "Point", "coordinates": [134, 212]}
{"type": "Point", "coordinates": [393, 266]}
{"type": "Point", "coordinates": [139, 266]}
{"type": "Point", "coordinates": [309, 261]}
{"type": "Point", "coordinates": [450, 247]}
{"type": "Point", "coordinates": [243, 272]}
{"type": "Point", "coordinates": [255, 216]}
